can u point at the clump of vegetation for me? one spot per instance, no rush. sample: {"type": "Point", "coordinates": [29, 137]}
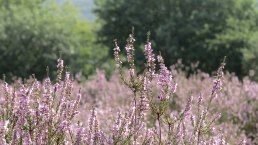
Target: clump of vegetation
{"type": "Point", "coordinates": [149, 108]}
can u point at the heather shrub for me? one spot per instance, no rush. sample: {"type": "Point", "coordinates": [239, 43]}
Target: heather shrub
{"type": "Point", "coordinates": [156, 106]}
{"type": "Point", "coordinates": [237, 102]}
{"type": "Point", "coordinates": [156, 91]}
{"type": "Point", "coordinates": [38, 113]}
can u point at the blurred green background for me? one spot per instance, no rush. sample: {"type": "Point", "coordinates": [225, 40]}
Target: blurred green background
{"type": "Point", "coordinates": [34, 33]}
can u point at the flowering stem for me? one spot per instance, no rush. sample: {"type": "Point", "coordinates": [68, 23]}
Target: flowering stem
{"type": "Point", "coordinates": [204, 117]}
{"type": "Point", "coordinates": [135, 117]}
{"type": "Point", "coordinates": [71, 136]}
{"type": "Point", "coordinates": [158, 115]}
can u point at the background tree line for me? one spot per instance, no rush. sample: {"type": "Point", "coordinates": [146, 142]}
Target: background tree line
{"type": "Point", "coordinates": [201, 31]}
{"type": "Point", "coordinates": [34, 32]}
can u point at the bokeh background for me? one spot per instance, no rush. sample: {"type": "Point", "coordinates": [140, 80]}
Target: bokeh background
{"type": "Point", "coordinates": [196, 33]}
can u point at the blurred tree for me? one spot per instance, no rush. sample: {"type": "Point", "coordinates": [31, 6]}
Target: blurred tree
{"type": "Point", "coordinates": [191, 30]}
{"type": "Point", "coordinates": [91, 55]}
{"type": "Point", "coordinates": [251, 59]}
{"type": "Point", "coordinates": [34, 32]}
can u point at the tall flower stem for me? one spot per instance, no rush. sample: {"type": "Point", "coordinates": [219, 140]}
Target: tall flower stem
{"type": "Point", "coordinates": [135, 114]}
{"type": "Point", "coordinates": [159, 121]}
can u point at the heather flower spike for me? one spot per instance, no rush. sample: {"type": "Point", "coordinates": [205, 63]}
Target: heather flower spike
{"type": "Point", "coordinates": [150, 59]}
{"type": "Point", "coordinates": [165, 80]}
{"type": "Point", "coordinates": [116, 55]}
{"type": "Point", "coordinates": [130, 50]}
{"type": "Point", "coordinates": [60, 68]}
{"type": "Point", "coordinates": [217, 83]}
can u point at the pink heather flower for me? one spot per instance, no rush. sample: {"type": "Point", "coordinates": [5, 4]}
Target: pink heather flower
{"type": "Point", "coordinates": [188, 105]}
{"type": "Point", "coordinates": [3, 141]}
{"type": "Point", "coordinates": [63, 126]}
{"type": "Point", "coordinates": [150, 58]}
{"type": "Point", "coordinates": [217, 83]}
{"type": "Point", "coordinates": [146, 83]}
{"type": "Point", "coordinates": [14, 141]}
{"type": "Point", "coordinates": [243, 142]}
{"type": "Point", "coordinates": [22, 112]}
{"type": "Point", "coordinates": [76, 104]}
{"type": "Point", "coordinates": [144, 102]}
{"type": "Point", "coordinates": [46, 100]}
{"type": "Point", "coordinates": [3, 126]}
{"type": "Point", "coordinates": [60, 63]}
{"type": "Point", "coordinates": [165, 80]}
{"type": "Point", "coordinates": [93, 127]}
{"type": "Point", "coordinates": [79, 135]}
{"type": "Point", "coordinates": [67, 109]}
{"type": "Point", "coordinates": [44, 111]}
{"type": "Point", "coordinates": [101, 136]}
{"type": "Point", "coordinates": [68, 85]}
{"type": "Point", "coordinates": [130, 49]}
{"type": "Point", "coordinates": [174, 87]}
{"type": "Point", "coordinates": [27, 139]}
{"type": "Point", "coordinates": [116, 55]}
{"type": "Point", "coordinates": [165, 76]}
{"type": "Point", "coordinates": [217, 86]}
{"type": "Point", "coordinates": [60, 68]}
{"type": "Point", "coordinates": [199, 102]}
{"type": "Point", "coordinates": [162, 96]}
{"type": "Point", "coordinates": [116, 126]}
{"type": "Point", "coordinates": [3, 130]}
{"type": "Point", "coordinates": [192, 118]}
{"type": "Point", "coordinates": [6, 90]}
{"type": "Point", "coordinates": [144, 106]}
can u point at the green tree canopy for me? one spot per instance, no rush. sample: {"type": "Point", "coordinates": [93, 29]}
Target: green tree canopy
{"type": "Point", "coordinates": [34, 32]}
{"type": "Point", "coordinates": [191, 30]}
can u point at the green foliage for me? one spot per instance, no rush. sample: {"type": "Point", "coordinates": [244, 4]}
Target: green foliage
{"type": "Point", "coordinates": [91, 55]}
{"type": "Point", "coordinates": [34, 32]}
{"type": "Point", "coordinates": [192, 30]}
{"type": "Point", "coordinates": [251, 59]}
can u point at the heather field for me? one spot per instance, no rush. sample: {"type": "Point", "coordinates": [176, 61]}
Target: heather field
{"type": "Point", "coordinates": [161, 105]}
{"type": "Point", "coordinates": [128, 72]}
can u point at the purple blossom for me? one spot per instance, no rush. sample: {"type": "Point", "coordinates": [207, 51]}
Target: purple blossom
{"type": "Point", "coordinates": [116, 55]}
{"type": "Point", "coordinates": [150, 58]}
{"type": "Point", "coordinates": [165, 80]}
{"type": "Point", "coordinates": [3, 131]}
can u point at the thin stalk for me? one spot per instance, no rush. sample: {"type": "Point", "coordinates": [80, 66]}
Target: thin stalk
{"type": "Point", "coordinates": [135, 114]}
{"type": "Point", "coordinates": [203, 118]}
{"type": "Point", "coordinates": [158, 115]}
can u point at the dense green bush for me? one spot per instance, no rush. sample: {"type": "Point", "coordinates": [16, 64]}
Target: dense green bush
{"type": "Point", "coordinates": [191, 30]}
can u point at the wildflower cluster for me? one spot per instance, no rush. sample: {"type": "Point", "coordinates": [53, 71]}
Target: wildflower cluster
{"type": "Point", "coordinates": [147, 109]}
{"type": "Point", "coordinates": [35, 113]}
{"type": "Point", "coordinates": [154, 91]}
